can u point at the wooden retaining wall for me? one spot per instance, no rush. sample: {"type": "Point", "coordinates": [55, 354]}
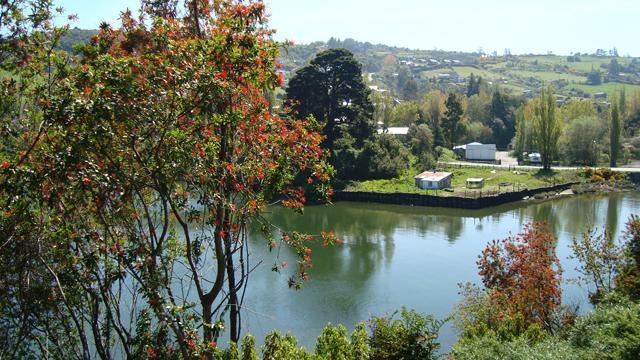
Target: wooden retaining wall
{"type": "Point", "coordinates": [444, 201]}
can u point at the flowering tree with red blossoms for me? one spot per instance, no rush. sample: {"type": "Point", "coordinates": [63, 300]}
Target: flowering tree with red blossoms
{"type": "Point", "coordinates": [158, 151]}
{"type": "Point", "coordinates": [523, 275]}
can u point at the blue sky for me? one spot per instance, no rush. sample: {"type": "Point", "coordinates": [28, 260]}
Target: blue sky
{"type": "Point", "coordinates": [560, 26]}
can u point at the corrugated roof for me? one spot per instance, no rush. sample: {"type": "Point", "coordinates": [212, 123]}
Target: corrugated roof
{"type": "Point", "coordinates": [433, 175]}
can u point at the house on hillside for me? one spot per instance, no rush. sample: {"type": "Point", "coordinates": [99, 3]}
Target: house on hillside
{"type": "Point", "coordinates": [476, 151]}
{"type": "Point", "coordinates": [433, 180]}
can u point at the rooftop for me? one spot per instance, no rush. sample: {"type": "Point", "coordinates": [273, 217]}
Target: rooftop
{"type": "Point", "coordinates": [433, 175]}
{"type": "Point", "coordinates": [395, 131]}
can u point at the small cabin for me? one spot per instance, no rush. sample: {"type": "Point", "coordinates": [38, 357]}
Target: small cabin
{"type": "Point", "coordinates": [433, 180]}
{"type": "Point", "coordinates": [475, 183]}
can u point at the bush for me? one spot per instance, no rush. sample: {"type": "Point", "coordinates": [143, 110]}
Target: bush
{"type": "Point", "coordinates": [491, 348]}
{"type": "Point", "coordinates": [413, 336]}
{"type": "Point", "coordinates": [610, 332]}
{"type": "Point", "coordinates": [383, 158]}
{"type": "Point", "coordinates": [628, 279]}
{"type": "Point", "coordinates": [333, 343]}
{"type": "Point", "coordinates": [277, 347]}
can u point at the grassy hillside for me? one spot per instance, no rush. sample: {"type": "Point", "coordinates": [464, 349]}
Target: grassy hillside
{"type": "Point", "coordinates": [514, 73]}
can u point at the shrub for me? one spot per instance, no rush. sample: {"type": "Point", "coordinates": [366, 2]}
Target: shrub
{"type": "Point", "coordinates": [383, 158]}
{"type": "Point", "coordinates": [360, 343]}
{"type": "Point", "coordinates": [277, 347]}
{"type": "Point", "coordinates": [413, 336]}
{"type": "Point", "coordinates": [491, 348]}
{"type": "Point", "coordinates": [610, 332]}
{"type": "Point", "coordinates": [333, 343]}
{"type": "Point", "coordinates": [249, 348]}
{"type": "Point", "coordinates": [628, 279]}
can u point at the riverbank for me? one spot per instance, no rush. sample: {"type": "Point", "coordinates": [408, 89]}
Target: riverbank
{"type": "Point", "coordinates": [456, 202]}
{"type": "Point", "coordinates": [496, 181]}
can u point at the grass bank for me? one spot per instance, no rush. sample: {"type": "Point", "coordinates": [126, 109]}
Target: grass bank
{"type": "Point", "coordinates": [496, 181]}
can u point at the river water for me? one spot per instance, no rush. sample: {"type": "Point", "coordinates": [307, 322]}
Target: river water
{"type": "Point", "coordinates": [396, 256]}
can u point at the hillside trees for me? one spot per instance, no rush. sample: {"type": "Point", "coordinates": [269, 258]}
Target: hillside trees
{"type": "Point", "coordinates": [159, 151]}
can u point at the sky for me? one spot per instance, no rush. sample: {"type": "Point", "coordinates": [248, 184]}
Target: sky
{"type": "Point", "coordinates": [531, 26]}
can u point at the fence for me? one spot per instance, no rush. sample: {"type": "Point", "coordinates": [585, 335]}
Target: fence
{"type": "Point", "coordinates": [444, 201]}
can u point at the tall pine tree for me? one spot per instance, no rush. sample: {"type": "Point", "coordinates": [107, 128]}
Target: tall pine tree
{"type": "Point", "coordinates": [331, 89]}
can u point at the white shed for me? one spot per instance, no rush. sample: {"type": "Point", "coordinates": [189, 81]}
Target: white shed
{"type": "Point", "coordinates": [478, 151]}
{"type": "Point", "coordinates": [433, 180]}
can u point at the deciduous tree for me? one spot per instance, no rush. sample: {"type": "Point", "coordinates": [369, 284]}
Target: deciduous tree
{"type": "Point", "coordinates": [546, 127]}
{"type": "Point", "coordinates": [524, 274]}
{"type": "Point", "coordinates": [159, 150]}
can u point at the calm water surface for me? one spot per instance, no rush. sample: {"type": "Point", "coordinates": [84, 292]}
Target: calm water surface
{"type": "Point", "coordinates": [396, 256]}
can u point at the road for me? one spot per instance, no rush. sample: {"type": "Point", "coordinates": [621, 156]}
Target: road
{"type": "Point", "coordinates": [531, 167]}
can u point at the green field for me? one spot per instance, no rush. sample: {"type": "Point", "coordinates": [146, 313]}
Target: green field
{"type": "Point", "coordinates": [609, 88]}
{"type": "Point", "coordinates": [519, 180]}
{"type": "Point", "coordinates": [466, 71]}
{"type": "Point", "coordinates": [547, 75]}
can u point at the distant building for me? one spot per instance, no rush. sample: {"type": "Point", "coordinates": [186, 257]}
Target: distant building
{"type": "Point", "coordinates": [433, 180]}
{"type": "Point", "coordinates": [476, 151]}
{"type": "Point", "coordinates": [394, 131]}
{"type": "Point", "coordinates": [600, 96]}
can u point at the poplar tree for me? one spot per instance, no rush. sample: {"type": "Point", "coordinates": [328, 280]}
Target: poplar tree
{"type": "Point", "coordinates": [614, 133]}
{"type": "Point", "coordinates": [546, 127]}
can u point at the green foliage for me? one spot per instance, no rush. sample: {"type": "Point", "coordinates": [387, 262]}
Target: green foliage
{"type": "Point", "coordinates": [600, 258]}
{"type": "Point", "coordinates": [360, 343]}
{"type": "Point", "coordinates": [610, 332]}
{"type": "Point", "coordinates": [232, 352]}
{"type": "Point", "coordinates": [594, 77]}
{"type": "Point", "coordinates": [385, 157]}
{"type": "Point", "coordinates": [405, 114]}
{"type": "Point", "coordinates": [413, 336]}
{"type": "Point", "coordinates": [546, 127]}
{"type": "Point", "coordinates": [490, 348]}
{"type": "Point", "coordinates": [420, 140]}
{"type": "Point", "coordinates": [329, 88]}
{"type": "Point", "coordinates": [249, 348]}
{"type": "Point", "coordinates": [582, 141]}
{"type": "Point", "coordinates": [615, 130]}
{"type": "Point", "coordinates": [345, 157]}
{"type": "Point", "coordinates": [628, 279]}
{"type": "Point", "coordinates": [277, 347]}
{"type": "Point", "coordinates": [452, 125]}
{"type": "Point", "coordinates": [333, 343]}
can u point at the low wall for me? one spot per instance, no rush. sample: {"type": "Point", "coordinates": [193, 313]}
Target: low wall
{"type": "Point", "coordinates": [634, 176]}
{"type": "Point", "coordinates": [443, 201]}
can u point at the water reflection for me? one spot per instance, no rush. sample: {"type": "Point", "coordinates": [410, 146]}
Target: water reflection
{"type": "Point", "coordinates": [401, 255]}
